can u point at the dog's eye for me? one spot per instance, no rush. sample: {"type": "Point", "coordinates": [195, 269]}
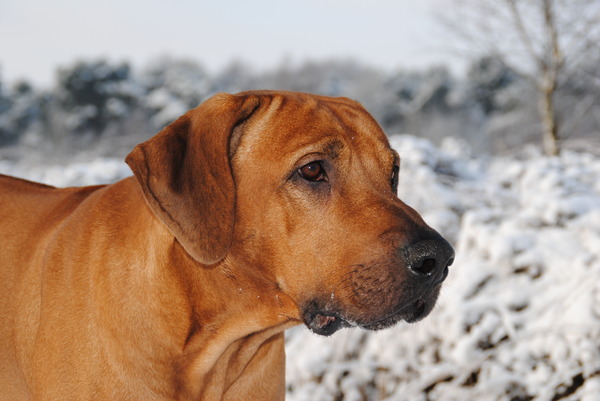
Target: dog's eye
{"type": "Point", "coordinates": [394, 178]}
{"type": "Point", "coordinates": [313, 171]}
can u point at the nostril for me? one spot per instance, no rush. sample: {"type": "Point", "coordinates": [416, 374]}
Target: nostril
{"type": "Point", "coordinates": [427, 267]}
{"type": "Point", "coordinates": [429, 258]}
{"type": "Point", "coordinates": [441, 277]}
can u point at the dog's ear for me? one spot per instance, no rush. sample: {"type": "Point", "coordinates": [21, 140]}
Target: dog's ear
{"type": "Point", "coordinates": [185, 174]}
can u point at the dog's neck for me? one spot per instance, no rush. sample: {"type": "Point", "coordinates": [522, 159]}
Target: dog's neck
{"type": "Point", "coordinates": [226, 333]}
{"type": "Point", "coordinates": [206, 342]}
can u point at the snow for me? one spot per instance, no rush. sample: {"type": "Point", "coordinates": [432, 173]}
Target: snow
{"type": "Point", "coordinates": [99, 171]}
{"type": "Point", "coordinates": [519, 316]}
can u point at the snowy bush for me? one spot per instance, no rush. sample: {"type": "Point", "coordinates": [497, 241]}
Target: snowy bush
{"type": "Point", "coordinates": [20, 108]}
{"type": "Point", "coordinates": [519, 316]}
{"type": "Point", "coordinates": [174, 87]}
{"type": "Point", "coordinates": [95, 94]}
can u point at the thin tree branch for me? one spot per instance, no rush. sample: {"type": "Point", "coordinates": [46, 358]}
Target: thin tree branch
{"type": "Point", "coordinates": [523, 33]}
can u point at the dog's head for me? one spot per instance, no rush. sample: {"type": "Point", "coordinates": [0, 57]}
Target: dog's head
{"type": "Point", "coordinates": [301, 188]}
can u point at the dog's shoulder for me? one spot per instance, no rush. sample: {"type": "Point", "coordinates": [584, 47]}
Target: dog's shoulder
{"type": "Point", "coordinates": [9, 183]}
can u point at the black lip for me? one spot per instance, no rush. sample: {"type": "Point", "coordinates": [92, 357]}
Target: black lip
{"type": "Point", "coordinates": [412, 313]}
{"type": "Point", "coordinates": [327, 323]}
{"type": "Point", "coordinates": [419, 311]}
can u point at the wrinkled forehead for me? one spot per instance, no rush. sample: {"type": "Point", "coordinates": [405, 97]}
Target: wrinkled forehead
{"type": "Point", "coordinates": [294, 125]}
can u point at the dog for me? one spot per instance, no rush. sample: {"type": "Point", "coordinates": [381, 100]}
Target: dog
{"type": "Point", "coordinates": [249, 214]}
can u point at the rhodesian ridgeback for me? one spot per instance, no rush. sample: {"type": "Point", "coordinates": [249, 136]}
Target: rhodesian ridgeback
{"type": "Point", "coordinates": [249, 214]}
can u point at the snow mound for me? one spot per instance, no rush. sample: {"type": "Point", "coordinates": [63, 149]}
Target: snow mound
{"type": "Point", "coordinates": [519, 316]}
{"type": "Point", "coordinates": [99, 171]}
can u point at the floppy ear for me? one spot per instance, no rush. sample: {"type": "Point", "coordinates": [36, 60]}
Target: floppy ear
{"type": "Point", "coordinates": [186, 176]}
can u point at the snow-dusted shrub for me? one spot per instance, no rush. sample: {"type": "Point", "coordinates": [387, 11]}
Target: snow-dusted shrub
{"type": "Point", "coordinates": [519, 317]}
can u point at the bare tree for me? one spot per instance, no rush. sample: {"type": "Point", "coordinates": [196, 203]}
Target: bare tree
{"type": "Point", "coordinates": [545, 40]}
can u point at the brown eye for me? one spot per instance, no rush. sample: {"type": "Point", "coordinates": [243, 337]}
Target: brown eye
{"type": "Point", "coordinates": [312, 172]}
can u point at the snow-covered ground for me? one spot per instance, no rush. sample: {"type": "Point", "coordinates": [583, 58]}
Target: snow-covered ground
{"type": "Point", "coordinates": [519, 316]}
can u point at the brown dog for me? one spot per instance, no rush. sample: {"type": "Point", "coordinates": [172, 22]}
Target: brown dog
{"type": "Point", "coordinates": [249, 214]}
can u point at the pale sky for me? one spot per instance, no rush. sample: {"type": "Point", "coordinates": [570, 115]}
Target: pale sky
{"type": "Point", "coordinates": [37, 36]}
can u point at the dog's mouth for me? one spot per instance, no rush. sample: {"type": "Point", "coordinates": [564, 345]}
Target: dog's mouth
{"type": "Point", "coordinates": [326, 323]}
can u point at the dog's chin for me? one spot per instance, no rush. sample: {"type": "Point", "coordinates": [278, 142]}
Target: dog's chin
{"type": "Point", "coordinates": [326, 323]}
{"type": "Point", "coordinates": [412, 313]}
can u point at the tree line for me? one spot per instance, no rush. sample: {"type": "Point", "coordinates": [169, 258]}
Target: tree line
{"type": "Point", "coordinates": [104, 107]}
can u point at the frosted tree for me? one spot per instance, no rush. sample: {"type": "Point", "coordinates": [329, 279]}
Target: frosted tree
{"type": "Point", "coordinates": [546, 41]}
{"type": "Point", "coordinates": [20, 108]}
{"type": "Point", "coordinates": [486, 77]}
{"type": "Point", "coordinates": [174, 86]}
{"type": "Point", "coordinates": [96, 94]}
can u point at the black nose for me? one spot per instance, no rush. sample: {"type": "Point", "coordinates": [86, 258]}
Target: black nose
{"type": "Point", "coordinates": [430, 258]}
